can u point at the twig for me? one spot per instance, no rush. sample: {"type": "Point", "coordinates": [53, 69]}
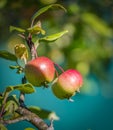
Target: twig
{"type": "Point", "coordinates": [22, 95]}
{"type": "Point", "coordinates": [31, 47]}
{"type": "Point", "coordinates": [11, 121]}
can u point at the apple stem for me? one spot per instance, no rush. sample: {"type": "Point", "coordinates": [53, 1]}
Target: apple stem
{"type": "Point", "coordinates": [54, 81]}
{"type": "Point", "coordinates": [56, 72]}
{"type": "Point", "coordinates": [60, 68]}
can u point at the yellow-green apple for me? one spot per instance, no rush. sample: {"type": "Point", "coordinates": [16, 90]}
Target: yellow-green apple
{"type": "Point", "coordinates": [67, 84]}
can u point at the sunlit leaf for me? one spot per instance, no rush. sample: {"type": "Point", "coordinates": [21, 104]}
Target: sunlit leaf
{"type": "Point", "coordinates": [12, 28]}
{"type": "Point", "coordinates": [36, 29]}
{"type": "Point", "coordinates": [19, 71]}
{"type": "Point", "coordinates": [21, 51]}
{"type": "Point", "coordinates": [53, 37]}
{"type": "Point", "coordinates": [44, 9]}
{"type": "Point", "coordinates": [1, 99]}
{"type": "Point", "coordinates": [44, 114]}
{"type": "Point", "coordinates": [10, 106]}
{"type": "Point", "coordinates": [14, 66]}
{"type": "Point", "coordinates": [7, 55]}
{"type": "Point", "coordinates": [18, 68]}
{"type": "Point", "coordinates": [24, 88]}
{"type": "Point", "coordinates": [2, 127]}
{"type": "Point", "coordinates": [29, 129]}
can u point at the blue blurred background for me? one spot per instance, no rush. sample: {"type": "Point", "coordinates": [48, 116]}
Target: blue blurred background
{"type": "Point", "coordinates": [88, 47]}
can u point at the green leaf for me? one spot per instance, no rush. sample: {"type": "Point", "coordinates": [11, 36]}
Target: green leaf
{"type": "Point", "coordinates": [2, 127]}
{"type": "Point", "coordinates": [14, 67]}
{"type": "Point", "coordinates": [35, 30]}
{"type": "Point", "coordinates": [12, 28]}
{"type": "Point", "coordinates": [29, 129]}
{"type": "Point", "coordinates": [44, 9]}
{"type": "Point", "coordinates": [19, 71]}
{"type": "Point", "coordinates": [19, 68]}
{"type": "Point", "coordinates": [24, 88]}
{"type": "Point", "coordinates": [1, 99]}
{"type": "Point", "coordinates": [11, 106]}
{"type": "Point", "coordinates": [44, 114]}
{"type": "Point", "coordinates": [7, 55]}
{"type": "Point", "coordinates": [13, 98]}
{"type": "Point", "coordinates": [21, 51]}
{"type": "Point", "coordinates": [53, 37]}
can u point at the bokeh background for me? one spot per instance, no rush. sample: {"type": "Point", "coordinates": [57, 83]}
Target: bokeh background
{"type": "Point", "coordinates": [88, 47]}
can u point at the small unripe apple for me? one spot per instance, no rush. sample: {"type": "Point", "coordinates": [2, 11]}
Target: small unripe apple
{"type": "Point", "coordinates": [67, 84]}
{"type": "Point", "coordinates": [39, 71]}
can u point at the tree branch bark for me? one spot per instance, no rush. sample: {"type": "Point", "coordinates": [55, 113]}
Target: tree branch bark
{"type": "Point", "coordinates": [14, 120]}
{"type": "Point", "coordinates": [34, 119]}
{"type": "Point", "coordinates": [30, 117]}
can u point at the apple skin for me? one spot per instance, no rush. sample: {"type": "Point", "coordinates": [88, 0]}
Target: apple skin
{"type": "Point", "coordinates": [67, 84]}
{"type": "Point", "coordinates": [39, 71]}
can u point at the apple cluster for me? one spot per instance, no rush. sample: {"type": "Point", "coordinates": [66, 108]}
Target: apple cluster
{"type": "Point", "coordinates": [41, 71]}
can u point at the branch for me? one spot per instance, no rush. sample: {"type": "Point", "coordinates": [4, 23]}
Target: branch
{"type": "Point", "coordinates": [14, 120]}
{"type": "Point", "coordinates": [30, 117]}
{"type": "Point", "coordinates": [34, 119]}
{"type": "Point", "coordinates": [31, 47]}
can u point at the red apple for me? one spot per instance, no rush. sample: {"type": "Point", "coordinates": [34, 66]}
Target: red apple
{"type": "Point", "coordinates": [39, 71]}
{"type": "Point", "coordinates": [67, 84]}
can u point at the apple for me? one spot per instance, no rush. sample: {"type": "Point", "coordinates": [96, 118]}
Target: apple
{"type": "Point", "coordinates": [39, 71]}
{"type": "Point", "coordinates": [67, 84]}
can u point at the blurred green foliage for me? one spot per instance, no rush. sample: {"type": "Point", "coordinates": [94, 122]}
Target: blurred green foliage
{"type": "Point", "coordinates": [88, 46]}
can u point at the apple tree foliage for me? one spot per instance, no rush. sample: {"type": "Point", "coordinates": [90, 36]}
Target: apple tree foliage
{"type": "Point", "coordinates": [12, 107]}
